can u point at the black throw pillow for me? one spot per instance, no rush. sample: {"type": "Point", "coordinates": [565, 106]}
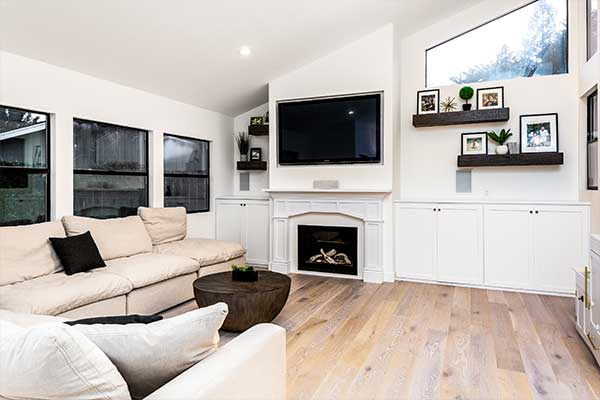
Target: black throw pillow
{"type": "Point", "coordinates": [119, 319]}
{"type": "Point", "coordinates": [78, 253]}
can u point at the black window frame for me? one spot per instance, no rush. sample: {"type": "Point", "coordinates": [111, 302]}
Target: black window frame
{"type": "Point", "coordinates": [589, 56]}
{"type": "Point", "coordinates": [145, 174]}
{"type": "Point", "coordinates": [46, 170]}
{"type": "Point", "coordinates": [568, 26]}
{"type": "Point", "coordinates": [590, 139]}
{"type": "Point", "coordinates": [190, 175]}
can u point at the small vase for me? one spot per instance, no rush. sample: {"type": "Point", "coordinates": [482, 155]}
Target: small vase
{"type": "Point", "coordinates": [244, 276]}
{"type": "Point", "coordinates": [467, 107]}
{"type": "Point", "coordinates": [502, 150]}
{"type": "Point", "coordinates": [243, 157]}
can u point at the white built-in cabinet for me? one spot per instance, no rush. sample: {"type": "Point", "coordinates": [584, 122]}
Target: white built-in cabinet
{"type": "Point", "coordinates": [246, 221]}
{"type": "Point", "coordinates": [440, 242]}
{"type": "Point", "coordinates": [514, 246]}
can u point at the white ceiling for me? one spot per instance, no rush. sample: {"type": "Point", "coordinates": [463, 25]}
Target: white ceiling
{"type": "Point", "coordinates": [188, 50]}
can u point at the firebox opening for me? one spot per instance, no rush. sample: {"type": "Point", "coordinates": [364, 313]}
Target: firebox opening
{"type": "Point", "coordinates": [330, 249]}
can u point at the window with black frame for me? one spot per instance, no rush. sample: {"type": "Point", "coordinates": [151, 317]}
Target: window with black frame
{"type": "Point", "coordinates": [24, 166]}
{"type": "Point", "coordinates": [592, 141]}
{"type": "Point", "coordinates": [592, 27]}
{"type": "Point", "coordinates": [110, 169]}
{"type": "Point", "coordinates": [187, 181]}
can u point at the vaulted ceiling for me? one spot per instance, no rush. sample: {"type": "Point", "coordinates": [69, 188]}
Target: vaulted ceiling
{"type": "Point", "coordinates": [188, 50]}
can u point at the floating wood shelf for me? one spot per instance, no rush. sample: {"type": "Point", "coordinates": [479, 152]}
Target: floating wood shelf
{"type": "Point", "coordinates": [461, 117]}
{"type": "Point", "coordinates": [496, 160]}
{"type": "Point", "coordinates": [258, 130]}
{"type": "Point", "coordinates": [252, 165]}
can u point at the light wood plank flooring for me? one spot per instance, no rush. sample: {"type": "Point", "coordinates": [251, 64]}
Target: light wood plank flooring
{"type": "Point", "coordinates": [351, 340]}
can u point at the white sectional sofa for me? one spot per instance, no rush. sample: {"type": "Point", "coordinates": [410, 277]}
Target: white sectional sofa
{"type": "Point", "coordinates": [150, 266]}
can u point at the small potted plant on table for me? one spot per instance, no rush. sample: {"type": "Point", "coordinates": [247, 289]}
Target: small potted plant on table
{"type": "Point", "coordinates": [466, 93]}
{"type": "Point", "coordinates": [242, 139]}
{"type": "Point", "coordinates": [500, 139]}
{"type": "Point", "coordinates": [244, 273]}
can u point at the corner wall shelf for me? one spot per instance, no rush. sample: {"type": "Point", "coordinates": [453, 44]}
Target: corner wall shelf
{"type": "Point", "coordinates": [496, 160]}
{"type": "Point", "coordinates": [258, 130]}
{"type": "Point", "coordinates": [461, 117]}
{"type": "Point", "coordinates": [252, 165]}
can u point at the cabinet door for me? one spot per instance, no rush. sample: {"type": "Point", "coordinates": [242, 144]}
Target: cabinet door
{"type": "Point", "coordinates": [594, 292]}
{"type": "Point", "coordinates": [508, 246]}
{"type": "Point", "coordinates": [460, 243]}
{"type": "Point", "coordinates": [559, 243]}
{"type": "Point", "coordinates": [230, 223]}
{"type": "Point", "coordinates": [414, 240]}
{"type": "Point", "coordinates": [257, 232]}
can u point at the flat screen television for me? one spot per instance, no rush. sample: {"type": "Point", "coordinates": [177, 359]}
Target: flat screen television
{"type": "Point", "coordinates": [330, 130]}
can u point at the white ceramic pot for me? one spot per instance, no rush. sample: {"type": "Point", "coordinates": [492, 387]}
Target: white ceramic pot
{"type": "Point", "coordinates": [502, 149]}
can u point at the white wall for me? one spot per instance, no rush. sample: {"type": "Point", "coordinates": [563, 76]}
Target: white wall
{"type": "Point", "coordinates": [366, 65]}
{"type": "Point", "coordinates": [589, 80]}
{"type": "Point", "coordinates": [259, 180]}
{"type": "Point", "coordinates": [363, 66]}
{"type": "Point", "coordinates": [66, 94]}
{"type": "Point", "coordinates": [428, 155]}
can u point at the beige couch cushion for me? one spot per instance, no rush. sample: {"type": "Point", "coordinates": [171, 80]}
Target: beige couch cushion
{"type": "Point", "coordinates": [26, 252]}
{"type": "Point", "coordinates": [164, 225]}
{"type": "Point", "coordinates": [115, 237]}
{"type": "Point", "coordinates": [145, 269]}
{"type": "Point", "coordinates": [55, 361]}
{"type": "Point", "coordinates": [54, 294]}
{"type": "Point", "coordinates": [204, 251]}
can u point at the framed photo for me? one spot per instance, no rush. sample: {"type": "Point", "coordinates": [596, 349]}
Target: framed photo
{"type": "Point", "coordinates": [255, 154]}
{"type": "Point", "coordinates": [256, 120]}
{"type": "Point", "coordinates": [428, 101]}
{"type": "Point", "coordinates": [539, 133]}
{"type": "Point", "coordinates": [488, 98]}
{"type": "Point", "coordinates": [474, 143]}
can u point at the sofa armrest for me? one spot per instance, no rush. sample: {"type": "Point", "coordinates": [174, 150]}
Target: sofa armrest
{"type": "Point", "coordinates": [251, 366]}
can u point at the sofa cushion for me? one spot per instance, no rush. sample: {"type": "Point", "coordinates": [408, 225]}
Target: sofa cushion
{"type": "Point", "coordinates": [115, 237]}
{"type": "Point", "coordinates": [145, 269]}
{"type": "Point", "coordinates": [164, 225]}
{"type": "Point", "coordinates": [77, 253]}
{"type": "Point", "coordinates": [57, 293]}
{"type": "Point", "coordinates": [204, 251]}
{"type": "Point", "coordinates": [26, 252]}
{"type": "Point", "coordinates": [55, 361]}
{"type": "Point", "coordinates": [28, 320]}
{"type": "Point", "coordinates": [148, 356]}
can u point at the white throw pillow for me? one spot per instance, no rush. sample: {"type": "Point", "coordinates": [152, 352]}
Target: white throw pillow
{"type": "Point", "coordinates": [148, 356]}
{"type": "Point", "coordinates": [55, 361]}
{"type": "Point", "coordinates": [164, 225]}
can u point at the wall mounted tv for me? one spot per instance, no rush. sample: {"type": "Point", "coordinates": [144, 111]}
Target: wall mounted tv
{"type": "Point", "coordinates": [330, 130]}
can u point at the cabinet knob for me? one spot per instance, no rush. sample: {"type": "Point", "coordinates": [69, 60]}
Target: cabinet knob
{"type": "Point", "coordinates": [530, 211]}
{"type": "Point", "coordinates": [537, 212]}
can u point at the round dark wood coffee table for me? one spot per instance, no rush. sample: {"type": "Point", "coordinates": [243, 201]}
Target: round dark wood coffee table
{"type": "Point", "coordinates": [249, 303]}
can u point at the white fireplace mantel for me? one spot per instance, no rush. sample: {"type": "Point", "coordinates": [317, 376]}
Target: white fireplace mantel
{"type": "Point", "coordinates": [365, 206]}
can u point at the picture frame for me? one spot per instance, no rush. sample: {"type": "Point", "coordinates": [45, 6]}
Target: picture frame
{"type": "Point", "coordinates": [539, 133]}
{"type": "Point", "coordinates": [474, 143]}
{"type": "Point", "coordinates": [428, 101]}
{"type": "Point", "coordinates": [255, 154]}
{"type": "Point", "coordinates": [490, 98]}
{"type": "Point", "coordinates": [256, 120]}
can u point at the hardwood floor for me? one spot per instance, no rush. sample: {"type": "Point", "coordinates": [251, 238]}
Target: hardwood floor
{"type": "Point", "coordinates": [351, 340]}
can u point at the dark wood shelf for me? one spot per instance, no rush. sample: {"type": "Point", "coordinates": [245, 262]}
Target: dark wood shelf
{"type": "Point", "coordinates": [496, 160]}
{"type": "Point", "coordinates": [252, 165]}
{"type": "Point", "coordinates": [258, 130]}
{"type": "Point", "coordinates": [461, 117]}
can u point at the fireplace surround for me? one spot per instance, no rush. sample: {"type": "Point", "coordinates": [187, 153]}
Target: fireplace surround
{"type": "Point", "coordinates": [328, 249]}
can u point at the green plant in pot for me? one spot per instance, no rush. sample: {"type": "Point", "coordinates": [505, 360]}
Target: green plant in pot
{"type": "Point", "coordinates": [242, 139]}
{"type": "Point", "coordinates": [244, 273]}
{"type": "Point", "coordinates": [500, 139]}
{"type": "Point", "coordinates": [466, 93]}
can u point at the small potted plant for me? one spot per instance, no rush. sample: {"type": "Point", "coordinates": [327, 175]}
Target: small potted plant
{"type": "Point", "coordinates": [466, 93]}
{"type": "Point", "coordinates": [500, 139]}
{"type": "Point", "coordinates": [244, 273]}
{"type": "Point", "coordinates": [242, 139]}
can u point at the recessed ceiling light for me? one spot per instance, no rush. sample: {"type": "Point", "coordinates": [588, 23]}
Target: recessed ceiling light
{"type": "Point", "coordinates": [245, 51]}
{"type": "Point", "coordinates": [351, 112]}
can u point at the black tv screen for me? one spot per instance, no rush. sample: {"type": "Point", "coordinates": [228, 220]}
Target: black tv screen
{"type": "Point", "coordinates": [330, 130]}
